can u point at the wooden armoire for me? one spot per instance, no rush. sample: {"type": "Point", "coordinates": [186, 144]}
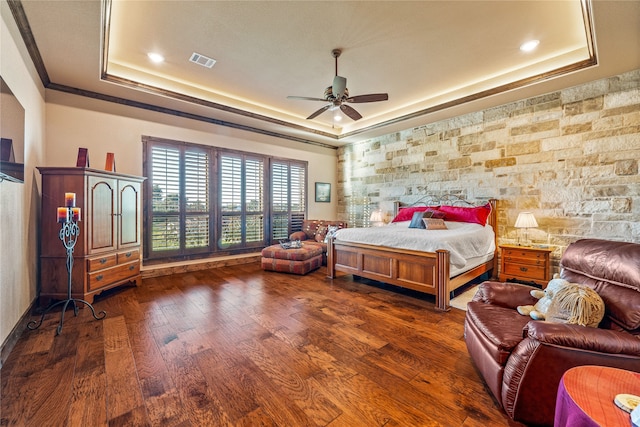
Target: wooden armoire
{"type": "Point", "coordinates": [107, 253]}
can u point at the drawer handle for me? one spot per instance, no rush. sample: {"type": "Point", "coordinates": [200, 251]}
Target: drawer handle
{"type": "Point", "coordinates": [103, 260]}
{"type": "Point", "coordinates": [524, 269]}
{"type": "Point", "coordinates": [132, 267]}
{"type": "Point", "coordinates": [128, 254]}
{"type": "Point", "coordinates": [99, 277]}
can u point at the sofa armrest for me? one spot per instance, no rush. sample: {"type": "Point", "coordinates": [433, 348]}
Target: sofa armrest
{"type": "Point", "coordinates": [508, 295]}
{"type": "Point", "coordinates": [298, 235]}
{"type": "Point", "coordinates": [584, 338]}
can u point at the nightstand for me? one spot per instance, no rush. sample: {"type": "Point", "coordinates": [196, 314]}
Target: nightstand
{"type": "Point", "coordinates": [525, 264]}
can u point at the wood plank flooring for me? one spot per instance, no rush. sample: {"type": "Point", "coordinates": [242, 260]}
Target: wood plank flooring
{"type": "Point", "coordinates": [236, 346]}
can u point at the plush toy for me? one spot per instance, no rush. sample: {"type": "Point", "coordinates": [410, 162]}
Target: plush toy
{"type": "Point", "coordinates": [576, 304]}
{"type": "Point", "coordinates": [564, 302]}
{"type": "Point", "coordinates": [539, 310]}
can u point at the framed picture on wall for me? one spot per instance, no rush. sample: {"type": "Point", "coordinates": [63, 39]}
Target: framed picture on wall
{"type": "Point", "coordinates": [323, 192]}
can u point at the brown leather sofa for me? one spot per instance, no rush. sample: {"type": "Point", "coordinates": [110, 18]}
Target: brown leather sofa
{"type": "Point", "coordinates": [314, 232]}
{"type": "Point", "coordinates": [523, 360]}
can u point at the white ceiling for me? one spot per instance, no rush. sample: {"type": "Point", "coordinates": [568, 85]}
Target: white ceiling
{"type": "Point", "coordinates": [435, 59]}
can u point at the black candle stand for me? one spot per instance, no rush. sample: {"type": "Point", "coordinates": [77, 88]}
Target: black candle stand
{"type": "Point", "coordinates": [68, 235]}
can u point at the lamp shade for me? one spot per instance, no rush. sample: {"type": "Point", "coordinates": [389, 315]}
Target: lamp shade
{"type": "Point", "coordinates": [376, 216]}
{"type": "Point", "coordinates": [526, 220]}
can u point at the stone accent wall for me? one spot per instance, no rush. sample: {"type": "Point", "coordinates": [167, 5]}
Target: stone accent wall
{"type": "Point", "coordinates": [570, 157]}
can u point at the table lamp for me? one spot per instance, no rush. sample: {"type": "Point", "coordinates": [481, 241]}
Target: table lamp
{"type": "Point", "coordinates": [377, 219]}
{"type": "Point", "coordinates": [526, 220]}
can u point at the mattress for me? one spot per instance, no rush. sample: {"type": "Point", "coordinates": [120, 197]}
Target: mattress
{"type": "Point", "coordinates": [467, 243]}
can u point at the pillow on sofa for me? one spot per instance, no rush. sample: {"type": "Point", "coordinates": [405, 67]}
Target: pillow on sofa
{"type": "Point", "coordinates": [331, 230]}
{"type": "Point", "coordinates": [477, 215]}
{"type": "Point", "coordinates": [320, 233]}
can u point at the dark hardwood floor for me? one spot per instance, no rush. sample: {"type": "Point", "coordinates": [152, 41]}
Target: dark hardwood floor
{"type": "Point", "coordinates": [239, 346]}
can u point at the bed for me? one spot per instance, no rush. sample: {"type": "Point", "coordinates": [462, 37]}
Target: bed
{"type": "Point", "coordinates": [429, 271]}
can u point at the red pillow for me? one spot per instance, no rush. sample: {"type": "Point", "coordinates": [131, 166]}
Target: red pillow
{"type": "Point", "coordinates": [405, 214]}
{"type": "Point", "coordinates": [477, 215]}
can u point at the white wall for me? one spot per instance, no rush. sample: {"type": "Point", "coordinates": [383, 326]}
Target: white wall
{"type": "Point", "coordinates": [20, 203]}
{"type": "Point", "coordinates": [102, 127]}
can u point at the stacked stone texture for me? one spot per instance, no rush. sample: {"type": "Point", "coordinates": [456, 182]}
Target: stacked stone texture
{"type": "Point", "coordinates": [570, 157]}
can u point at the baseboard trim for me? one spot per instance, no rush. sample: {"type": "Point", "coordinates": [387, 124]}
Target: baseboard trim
{"type": "Point", "coordinates": [16, 333]}
{"type": "Point", "coordinates": [197, 265]}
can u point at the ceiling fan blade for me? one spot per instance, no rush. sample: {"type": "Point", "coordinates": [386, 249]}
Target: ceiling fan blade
{"type": "Point", "coordinates": [306, 98]}
{"type": "Point", "coordinates": [339, 85]}
{"type": "Point", "coordinates": [372, 97]}
{"type": "Point", "coordinates": [320, 111]}
{"type": "Point", "coordinates": [349, 111]}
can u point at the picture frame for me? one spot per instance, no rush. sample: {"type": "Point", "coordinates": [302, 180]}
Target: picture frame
{"type": "Point", "coordinates": [323, 192]}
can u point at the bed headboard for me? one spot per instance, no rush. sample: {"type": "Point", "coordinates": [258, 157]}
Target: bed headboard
{"type": "Point", "coordinates": [451, 200]}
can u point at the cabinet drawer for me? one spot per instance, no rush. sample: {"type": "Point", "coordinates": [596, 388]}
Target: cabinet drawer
{"type": "Point", "coordinates": [529, 256]}
{"type": "Point", "coordinates": [99, 263]}
{"type": "Point", "coordinates": [528, 271]}
{"type": "Point", "coordinates": [128, 256]}
{"type": "Point", "coordinates": [106, 277]}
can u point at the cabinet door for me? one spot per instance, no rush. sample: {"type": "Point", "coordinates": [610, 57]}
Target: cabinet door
{"type": "Point", "coordinates": [130, 203]}
{"type": "Point", "coordinates": [101, 214]}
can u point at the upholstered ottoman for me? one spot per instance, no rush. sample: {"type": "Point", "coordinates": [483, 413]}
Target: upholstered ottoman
{"type": "Point", "coordinates": [297, 261]}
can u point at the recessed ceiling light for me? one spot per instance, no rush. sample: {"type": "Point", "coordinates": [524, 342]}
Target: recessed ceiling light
{"type": "Point", "coordinates": [529, 46]}
{"type": "Point", "coordinates": [155, 57]}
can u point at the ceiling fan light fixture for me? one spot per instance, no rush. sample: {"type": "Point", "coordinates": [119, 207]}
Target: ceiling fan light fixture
{"type": "Point", "coordinates": [155, 57]}
{"type": "Point", "coordinates": [337, 95]}
{"type": "Point", "coordinates": [529, 45]}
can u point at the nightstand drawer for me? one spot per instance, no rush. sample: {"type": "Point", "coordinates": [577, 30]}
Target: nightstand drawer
{"type": "Point", "coordinates": [529, 271]}
{"type": "Point", "coordinates": [512, 255]}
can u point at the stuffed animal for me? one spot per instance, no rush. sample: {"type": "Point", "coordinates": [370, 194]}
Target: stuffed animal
{"type": "Point", "coordinates": [539, 310]}
{"type": "Point", "coordinates": [564, 302]}
{"type": "Point", "coordinates": [577, 305]}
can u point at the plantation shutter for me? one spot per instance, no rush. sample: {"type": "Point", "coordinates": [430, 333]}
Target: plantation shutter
{"type": "Point", "coordinates": [196, 190]}
{"type": "Point", "coordinates": [241, 201]}
{"type": "Point", "coordinates": [288, 198]}
{"type": "Point", "coordinates": [165, 184]}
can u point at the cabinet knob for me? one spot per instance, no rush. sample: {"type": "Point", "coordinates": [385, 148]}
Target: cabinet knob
{"type": "Point", "coordinates": [103, 260]}
{"type": "Point", "coordinates": [524, 269]}
{"type": "Point", "coordinates": [132, 267]}
{"type": "Point", "coordinates": [99, 277]}
{"type": "Point", "coordinates": [128, 254]}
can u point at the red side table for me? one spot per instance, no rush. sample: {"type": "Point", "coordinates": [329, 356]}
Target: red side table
{"type": "Point", "coordinates": [586, 394]}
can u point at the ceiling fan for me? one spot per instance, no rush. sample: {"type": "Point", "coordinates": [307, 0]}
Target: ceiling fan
{"type": "Point", "coordinates": [337, 94]}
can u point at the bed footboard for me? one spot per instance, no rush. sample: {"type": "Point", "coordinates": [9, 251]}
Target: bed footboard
{"type": "Point", "coordinates": [426, 272]}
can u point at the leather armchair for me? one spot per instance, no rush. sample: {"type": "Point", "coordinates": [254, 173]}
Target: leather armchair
{"type": "Point", "coordinates": [523, 360]}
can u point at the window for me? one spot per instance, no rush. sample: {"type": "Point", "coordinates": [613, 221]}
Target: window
{"type": "Point", "coordinates": [180, 214]}
{"type": "Point", "coordinates": [288, 206]}
{"type": "Point", "coordinates": [207, 200]}
{"type": "Point", "coordinates": [241, 201]}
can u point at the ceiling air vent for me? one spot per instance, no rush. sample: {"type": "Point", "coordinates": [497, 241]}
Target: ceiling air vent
{"type": "Point", "coordinates": [202, 60]}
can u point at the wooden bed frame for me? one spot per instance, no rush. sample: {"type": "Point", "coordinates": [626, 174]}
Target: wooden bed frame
{"type": "Point", "coordinates": [426, 272]}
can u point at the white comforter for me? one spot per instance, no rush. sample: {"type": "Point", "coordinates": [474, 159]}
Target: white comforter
{"type": "Point", "coordinates": [463, 240]}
